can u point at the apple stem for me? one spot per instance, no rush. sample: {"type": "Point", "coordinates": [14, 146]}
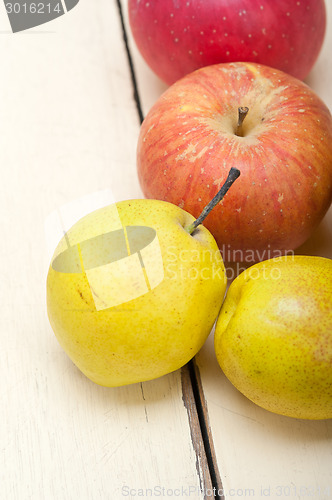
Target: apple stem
{"type": "Point", "coordinates": [243, 111]}
{"type": "Point", "coordinates": [233, 174]}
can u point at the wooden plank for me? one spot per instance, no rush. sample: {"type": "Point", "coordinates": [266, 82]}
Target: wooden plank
{"type": "Point", "coordinates": [68, 128]}
{"type": "Point", "coordinates": [260, 454]}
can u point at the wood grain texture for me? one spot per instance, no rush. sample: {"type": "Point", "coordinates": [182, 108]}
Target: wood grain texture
{"type": "Point", "coordinates": [68, 128]}
{"type": "Point", "coordinates": [202, 449]}
{"type": "Point", "coordinates": [196, 404]}
{"type": "Point", "coordinates": [260, 454]}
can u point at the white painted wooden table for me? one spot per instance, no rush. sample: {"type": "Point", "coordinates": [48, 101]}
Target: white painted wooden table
{"type": "Point", "coordinates": [68, 127]}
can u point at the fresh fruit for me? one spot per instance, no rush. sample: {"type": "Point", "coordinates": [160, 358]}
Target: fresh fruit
{"type": "Point", "coordinates": [175, 38]}
{"type": "Point", "coordinates": [273, 337]}
{"type": "Point", "coordinates": [191, 137]}
{"type": "Point", "coordinates": [133, 290]}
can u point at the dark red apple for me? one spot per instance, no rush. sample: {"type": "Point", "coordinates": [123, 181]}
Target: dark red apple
{"type": "Point", "coordinates": [176, 37]}
{"type": "Point", "coordinates": [191, 138]}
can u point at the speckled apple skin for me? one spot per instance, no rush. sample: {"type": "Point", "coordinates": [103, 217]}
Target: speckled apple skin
{"type": "Point", "coordinates": [159, 331]}
{"type": "Point", "coordinates": [176, 37]}
{"type": "Point", "coordinates": [188, 143]}
{"type": "Point", "coordinates": [273, 337]}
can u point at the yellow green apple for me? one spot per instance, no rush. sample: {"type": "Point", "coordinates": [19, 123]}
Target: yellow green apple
{"type": "Point", "coordinates": [131, 294]}
{"type": "Point", "coordinates": [273, 337]}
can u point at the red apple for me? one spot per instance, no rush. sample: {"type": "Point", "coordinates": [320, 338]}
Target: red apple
{"type": "Point", "coordinates": [176, 37]}
{"type": "Point", "coordinates": [190, 139]}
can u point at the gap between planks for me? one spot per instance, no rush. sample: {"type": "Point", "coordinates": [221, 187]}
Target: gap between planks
{"type": "Point", "coordinates": [201, 436]}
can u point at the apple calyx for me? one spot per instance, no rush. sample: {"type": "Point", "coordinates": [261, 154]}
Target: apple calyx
{"type": "Point", "coordinates": [233, 174]}
{"type": "Point", "coordinates": [243, 111]}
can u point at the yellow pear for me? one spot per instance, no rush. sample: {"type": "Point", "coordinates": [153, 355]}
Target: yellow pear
{"type": "Point", "coordinates": [131, 295]}
{"type": "Point", "coordinates": [273, 337]}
